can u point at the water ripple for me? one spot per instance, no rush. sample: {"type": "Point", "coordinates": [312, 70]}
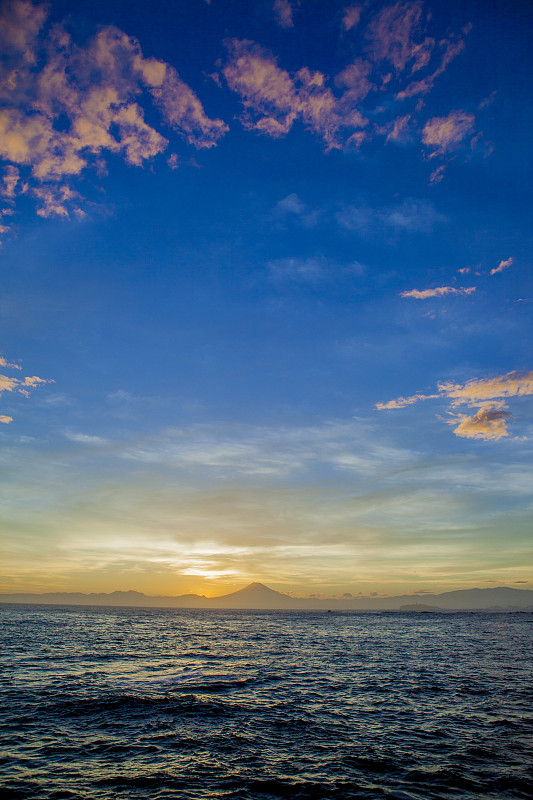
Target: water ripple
{"type": "Point", "coordinates": [119, 704]}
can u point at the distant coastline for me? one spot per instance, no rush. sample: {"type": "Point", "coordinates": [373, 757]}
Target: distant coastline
{"type": "Point", "coordinates": [257, 596]}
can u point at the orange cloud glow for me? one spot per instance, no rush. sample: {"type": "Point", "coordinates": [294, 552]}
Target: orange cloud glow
{"type": "Point", "coordinates": [487, 423]}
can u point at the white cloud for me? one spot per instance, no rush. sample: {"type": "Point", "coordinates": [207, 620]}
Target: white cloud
{"type": "Point", "coordinates": [85, 438]}
{"type": "Point", "coordinates": [293, 207]}
{"type": "Point", "coordinates": [240, 451]}
{"type": "Point", "coordinates": [299, 269]}
{"type": "Point", "coordinates": [410, 216]}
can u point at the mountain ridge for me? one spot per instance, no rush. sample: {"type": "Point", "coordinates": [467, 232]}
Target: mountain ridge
{"type": "Point", "coordinates": [261, 597]}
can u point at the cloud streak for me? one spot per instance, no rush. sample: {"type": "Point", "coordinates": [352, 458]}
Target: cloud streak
{"type": "Point", "coordinates": [439, 291]}
{"type": "Point", "coordinates": [502, 265]}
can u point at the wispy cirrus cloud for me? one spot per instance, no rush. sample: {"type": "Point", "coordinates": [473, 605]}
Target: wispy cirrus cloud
{"type": "Point", "coordinates": [410, 216]}
{"type": "Point", "coordinates": [401, 402]}
{"type": "Point", "coordinates": [310, 270]}
{"type": "Point", "coordinates": [64, 106]}
{"type": "Point", "coordinates": [248, 500]}
{"type": "Point", "coordinates": [85, 438]}
{"type": "Point", "coordinates": [448, 49]}
{"type": "Point", "coordinates": [488, 394]}
{"type": "Point", "coordinates": [393, 36]}
{"type": "Point", "coordinates": [398, 130]}
{"type": "Point", "coordinates": [439, 291]}
{"type": "Point", "coordinates": [293, 207]}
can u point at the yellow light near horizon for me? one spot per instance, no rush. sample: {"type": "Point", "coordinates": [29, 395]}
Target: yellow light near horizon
{"type": "Point", "coordinates": [209, 574]}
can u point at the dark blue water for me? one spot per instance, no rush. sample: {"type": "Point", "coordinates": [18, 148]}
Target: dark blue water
{"type": "Point", "coordinates": [135, 703]}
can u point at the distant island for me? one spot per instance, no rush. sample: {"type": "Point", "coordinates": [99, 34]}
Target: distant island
{"type": "Point", "coordinates": [260, 597]}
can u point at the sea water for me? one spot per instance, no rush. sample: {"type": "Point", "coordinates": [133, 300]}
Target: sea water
{"type": "Point", "coordinates": [109, 703]}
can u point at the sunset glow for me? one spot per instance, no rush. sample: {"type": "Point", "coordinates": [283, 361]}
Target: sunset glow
{"type": "Point", "coordinates": [267, 296]}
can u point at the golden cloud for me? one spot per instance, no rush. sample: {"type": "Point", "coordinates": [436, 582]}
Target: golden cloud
{"type": "Point", "coordinates": [401, 402]}
{"type": "Point", "coordinates": [490, 421]}
{"type": "Point", "coordinates": [513, 384]}
{"type": "Point", "coordinates": [20, 385]}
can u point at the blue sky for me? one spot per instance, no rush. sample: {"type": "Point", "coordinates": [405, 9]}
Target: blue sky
{"type": "Point", "coordinates": [266, 305]}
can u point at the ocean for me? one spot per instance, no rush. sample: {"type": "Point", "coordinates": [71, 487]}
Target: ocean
{"type": "Point", "coordinates": [126, 703]}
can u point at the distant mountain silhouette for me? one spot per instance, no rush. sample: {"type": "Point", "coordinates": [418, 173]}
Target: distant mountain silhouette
{"type": "Point", "coordinates": [258, 596]}
{"type": "Point", "coordinates": [420, 607]}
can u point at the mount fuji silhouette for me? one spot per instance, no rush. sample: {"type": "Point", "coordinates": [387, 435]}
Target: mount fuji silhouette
{"type": "Point", "coordinates": [260, 597]}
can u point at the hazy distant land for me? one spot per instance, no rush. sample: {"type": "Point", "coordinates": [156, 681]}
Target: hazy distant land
{"type": "Point", "coordinates": [258, 596]}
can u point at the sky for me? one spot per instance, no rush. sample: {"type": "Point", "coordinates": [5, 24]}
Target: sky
{"type": "Point", "coordinates": [266, 305]}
